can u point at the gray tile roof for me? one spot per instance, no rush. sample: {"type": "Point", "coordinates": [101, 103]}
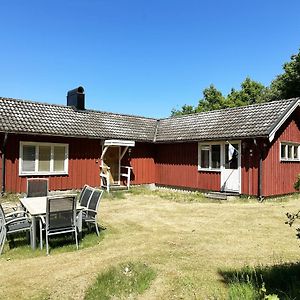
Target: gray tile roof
{"type": "Point", "coordinates": [247, 121]}
{"type": "Point", "coordinates": [19, 116]}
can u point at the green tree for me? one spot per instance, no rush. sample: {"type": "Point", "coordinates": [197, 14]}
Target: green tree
{"type": "Point", "coordinates": [185, 109]}
{"type": "Point", "coordinates": [284, 86]}
{"type": "Point", "coordinates": [251, 92]}
{"type": "Point", "coordinates": [287, 85]}
{"type": "Point", "coordinates": [212, 99]}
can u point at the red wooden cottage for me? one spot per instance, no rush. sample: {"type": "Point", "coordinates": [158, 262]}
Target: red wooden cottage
{"type": "Point", "coordinates": [252, 150]}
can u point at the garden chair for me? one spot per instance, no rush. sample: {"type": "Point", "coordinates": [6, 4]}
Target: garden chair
{"type": "Point", "coordinates": [89, 215]}
{"type": "Point", "coordinates": [14, 222]}
{"type": "Point", "coordinates": [37, 187]}
{"type": "Point", "coordinates": [85, 195]}
{"type": "Point", "coordinates": [60, 217]}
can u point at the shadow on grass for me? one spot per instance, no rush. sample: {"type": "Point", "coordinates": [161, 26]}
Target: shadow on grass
{"type": "Point", "coordinates": [19, 247]}
{"type": "Point", "coordinates": [282, 280]}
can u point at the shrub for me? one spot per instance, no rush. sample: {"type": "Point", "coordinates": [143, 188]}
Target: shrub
{"type": "Point", "coordinates": [297, 183]}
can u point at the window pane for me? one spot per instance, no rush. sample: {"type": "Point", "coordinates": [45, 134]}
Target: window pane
{"type": "Point", "coordinates": [215, 156]}
{"type": "Point", "coordinates": [28, 158]}
{"type": "Point", "coordinates": [204, 156]}
{"type": "Point", "coordinates": [283, 151]}
{"type": "Point", "coordinates": [290, 151]}
{"type": "Point", "coordinates": [233, 162]}
{"type": "Point", "coordinates": [44, 158]}
{"type": "Point", "coordinates": [296, 152]}
{"type": "Point", "coordinates": [59, 158]}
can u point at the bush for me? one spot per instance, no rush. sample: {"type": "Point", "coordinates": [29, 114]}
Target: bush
{"type": "Point", "coordinates": [297, 183]}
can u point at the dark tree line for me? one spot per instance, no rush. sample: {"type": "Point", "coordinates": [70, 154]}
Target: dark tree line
{"type": "Point", "coordinates": [284, 86]}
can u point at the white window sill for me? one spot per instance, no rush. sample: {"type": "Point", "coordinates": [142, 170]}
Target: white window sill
{"type": "Point", "coordinates": [209, 170]}
{"type": "Point", "coordinates": [43, 173]}
{"type": "Point", "coordinates": [290, 160]}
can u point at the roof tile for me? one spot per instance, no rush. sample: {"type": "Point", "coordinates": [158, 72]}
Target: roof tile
{"type": "Point", "coordinates": [19, 116]}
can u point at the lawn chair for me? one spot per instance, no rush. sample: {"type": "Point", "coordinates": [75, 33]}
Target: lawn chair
{"type": "Point", "coordinates": [14, 222]}
{"type": "Point", "coordinates": [89, 215]}
{"type": "Point", "coordinates": [60, 217]}
{"type": "Point", "coordinates": [37, 187]}
{"type": "Point", "coordinates": [85, 195]}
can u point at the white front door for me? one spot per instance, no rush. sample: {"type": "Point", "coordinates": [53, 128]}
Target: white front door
{"type": "Point", "coordinates": [231, 169]}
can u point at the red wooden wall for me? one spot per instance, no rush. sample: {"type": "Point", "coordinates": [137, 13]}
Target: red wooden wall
{"type": "Point", "coordinates": [141, 159]}
{"type": "Point", "coordinates": [177, 165]}
{"type": "Point", "coordinates": [250, 166]}
{"type": "Point", "coordinates": [279, 177]}
{"type": "Point", "coordinates": [173, 164]}
{"type": "Point", "coordinates": [84, 161]}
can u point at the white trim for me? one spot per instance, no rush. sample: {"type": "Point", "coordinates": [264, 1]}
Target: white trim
{"type": "Point", "coordinates": [37, 145]}
{"type": "Point", "coordinates": [104, 150]}
{"type": "Point", "coordinates": [119, 143]}
{"type": "Point", "coordinates": [284, 118]}
{"type": "Point", "coordinates": [239, 163]}
{"type": "Point", "coordinates": [222, 159]}
{"type": "Point", "coordinates": [210, 169]}
{"type": "Point", "coordinates": [286, 158]}
{"type": "Point", "coordinates": [123, 153]}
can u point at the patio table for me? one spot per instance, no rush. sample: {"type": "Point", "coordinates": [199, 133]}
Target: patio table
{"type": "Point", "coordinates": [36, 207]}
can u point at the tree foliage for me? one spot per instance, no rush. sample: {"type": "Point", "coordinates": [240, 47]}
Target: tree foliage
{"type": "Point", "coordinates": [284, 86]}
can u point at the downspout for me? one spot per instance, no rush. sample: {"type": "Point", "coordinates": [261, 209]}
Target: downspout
{"type": "Point", "coordinates": [260, 195]}
{"type": "Point", "coordinates": [260, 172]}
{"type": "Point", "coordinates": [3, 150]}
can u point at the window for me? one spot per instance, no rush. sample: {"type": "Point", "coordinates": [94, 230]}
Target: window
{"type": "Point", "coordinates": [210, 157]}
{"type": "Point", "coordinates": [205, 156]}
{"type": "Point", "coordinates": [289, 151]}
{"type": "Point", "coordinates": [43, 158]}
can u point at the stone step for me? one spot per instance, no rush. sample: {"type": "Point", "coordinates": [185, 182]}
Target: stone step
{"type": "Point", "coordinates": [214, 195]}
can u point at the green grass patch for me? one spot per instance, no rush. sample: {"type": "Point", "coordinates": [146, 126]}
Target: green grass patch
{"type": "Point", "coordinates": [115, 195]}
{"type": "Point", "coordinates": [125, 280]}
{"type": "Point", "coordinates": [261, 282]}
{"type": "Point", "coordinates": [19, 247]}
{"type": "Point", "coordinates": [172, 194]}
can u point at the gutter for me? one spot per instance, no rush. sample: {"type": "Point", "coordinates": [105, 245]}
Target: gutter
{"type": "Point", "coordinates": [3, 150]}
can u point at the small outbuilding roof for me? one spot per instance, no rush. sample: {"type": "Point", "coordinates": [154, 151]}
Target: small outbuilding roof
{"type": "Point", "coordinates": [28, 117]}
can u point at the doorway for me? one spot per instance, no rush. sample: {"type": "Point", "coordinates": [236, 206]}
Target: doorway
{"type": "Point", "coordinates": [231, 169]}
{"type": "Point", "coordinates": [112, 160]}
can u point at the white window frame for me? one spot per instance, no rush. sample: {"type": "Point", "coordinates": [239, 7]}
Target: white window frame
{"type": "Point", "coordinates": [36, 172]}
{"type": "Point", "coordinates": [210, 144]}
{"type": "Point", "coordinates": [286, 158]}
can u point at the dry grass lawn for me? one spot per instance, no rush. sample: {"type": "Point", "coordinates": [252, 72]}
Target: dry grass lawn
{"type": "Point", "coordinates": [185, 242]}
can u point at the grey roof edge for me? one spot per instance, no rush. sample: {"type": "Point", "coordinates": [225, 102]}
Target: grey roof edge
{"type": "Point", "coordinates": [69, 136]}
{"type": "Point", "coordinates": [212, 139]}
{"type": "Point", "coordinates": [284, 116]}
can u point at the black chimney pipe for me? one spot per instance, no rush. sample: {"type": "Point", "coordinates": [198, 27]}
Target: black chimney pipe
{"type": "Point", "coordinates": [75, 98]}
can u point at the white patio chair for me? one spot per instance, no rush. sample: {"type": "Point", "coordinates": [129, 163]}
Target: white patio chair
{"type": "Point", "coordinates": [14, 222]}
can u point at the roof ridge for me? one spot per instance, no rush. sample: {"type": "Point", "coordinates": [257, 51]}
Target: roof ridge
{"type": "Point", "coordinates": [70, 107]}
{"type": "Point", "coordinates": [228, 108]}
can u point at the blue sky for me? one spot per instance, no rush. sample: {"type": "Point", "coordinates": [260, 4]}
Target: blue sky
{"type": "Point", "coordinates": [141, 57]}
